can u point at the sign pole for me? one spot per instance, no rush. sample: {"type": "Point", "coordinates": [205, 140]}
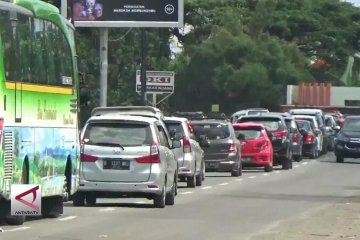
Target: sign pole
{"type": "Point", "coordinates": [143, 67]}
{"type": "Point", "coordinates": [154, 99]}
{"type": "Point", "coordinates": [103, 65]}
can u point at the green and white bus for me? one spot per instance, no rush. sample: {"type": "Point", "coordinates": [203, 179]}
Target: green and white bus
{"type": "Point", "coordinates": [39, 134]}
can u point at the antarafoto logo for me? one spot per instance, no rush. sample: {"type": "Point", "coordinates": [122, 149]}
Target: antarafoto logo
{"type": "Point", "coordinates": [25, 199]}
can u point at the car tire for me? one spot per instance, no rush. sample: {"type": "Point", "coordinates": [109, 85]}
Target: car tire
{"type": "Point", "coordinates": [90, 199]}
{"type": "Point", "coordinates": [297, 158]}
{"type": "Point", "coordinates": [159, 200]}
{"type": "Point", "coordinates": [268, 168]}
{"type": "Point", "coordinates": [191, 181]}
{"type": "Point", "coordinates": [78, 199]}
{"type": "Point", "coordinates": [339, 159]}
{"type": "Point", "coordinates": [286, 163]}
{"type": "Point", "coordinates": [236, 173]}
{"type": "Point", "coordinates": [15, 220]}
{"type": "Point", "coordinates": [170, 197]}
{"type": "Point", "coordinates": [199, 179]}
{"type": "Point", "coordinates": [203, 171]}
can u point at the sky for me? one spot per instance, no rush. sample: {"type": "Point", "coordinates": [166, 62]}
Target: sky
{"type": "Point", "coordinates": [355, 2]}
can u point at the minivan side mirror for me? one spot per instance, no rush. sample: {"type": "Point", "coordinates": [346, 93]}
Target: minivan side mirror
{"type": "Point", "coordinates": [176, 144]}
{"type": "Point", "coordinates": [317, 131]}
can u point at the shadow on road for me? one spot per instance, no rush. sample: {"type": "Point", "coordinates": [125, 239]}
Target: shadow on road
{"type": "Point", "coordinates": [122, 205]}
{"type": "Point", "coordinates": [345, 161]}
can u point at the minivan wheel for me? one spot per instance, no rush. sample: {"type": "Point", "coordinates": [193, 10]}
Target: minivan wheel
{"type": "Point", "coordinates": [78, 199]}
{"type": "Point", "coordinates": [90, 199]}
{"type": "Point", "coordinates": [159, 200]}
{"type": "Point", "coordinates": [191, 181]}
{"type": "Point", "coordinates": [268, 168]}
{"type": "Point", "coordinates": [236, 173]}
{"type": "Point", "coordinates": [170, 197]}
{"type": "Point", "coordinates": [285, 163]}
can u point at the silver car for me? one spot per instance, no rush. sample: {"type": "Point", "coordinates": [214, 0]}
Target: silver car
{"type": "Point", "coordinates": [191, 156]}
{"type": "Point", "coordinates": [126, 156]}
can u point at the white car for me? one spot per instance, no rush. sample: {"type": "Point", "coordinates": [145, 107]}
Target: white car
{"type": "Point", "coordinates": [191, 156]}
{"type": "Point", "coordinates": [126, 156]}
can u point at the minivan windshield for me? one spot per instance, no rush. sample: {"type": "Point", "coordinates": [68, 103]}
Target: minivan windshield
{"type": "Point", "coordinates": [352, 124]}
{"type": "Point", "coordinates": [270, 123]}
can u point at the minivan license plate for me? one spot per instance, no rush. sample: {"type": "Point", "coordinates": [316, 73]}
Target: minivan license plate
{"type": "Point", "coordinates": [117, 164]}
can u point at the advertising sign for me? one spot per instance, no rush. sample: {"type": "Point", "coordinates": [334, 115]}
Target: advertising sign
{"type": "Point", "coordinates": [127, 13]}
{"type": "Point", "coordinates": [156, 82]}
{"type": "Point", "coordinates": [25, 199]}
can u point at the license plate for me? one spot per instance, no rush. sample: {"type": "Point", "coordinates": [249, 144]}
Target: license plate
{"type": "Point", "coordinates": [212, 165]}
{"type": "Point", "coordinates": [246, 159]}
{"type": "Point", "coordinates": [116, 164]}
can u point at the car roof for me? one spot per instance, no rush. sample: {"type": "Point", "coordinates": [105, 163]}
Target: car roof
{"type": "Point", "coordinates": [304, 116]}
{"type": "Point", "coordinates": [264, 115]}
{"type": "Point", "coordinates": [210, 121]}
{"type": "Point", "coordinates": [306, 111]}
{"type": "Point", "coordinates": [249, 124]}
{"type": "Point", "coordinates": [175, 119]}
{"type": "Point", "coordinates": [121, 117]}
{"type": "Point", "coordinates": [147, 111]}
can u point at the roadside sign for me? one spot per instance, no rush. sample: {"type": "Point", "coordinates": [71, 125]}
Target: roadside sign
{"type": "Point", "coordinates": [156, 82]}
{"type": "Point", "coordinates": [127, 13]}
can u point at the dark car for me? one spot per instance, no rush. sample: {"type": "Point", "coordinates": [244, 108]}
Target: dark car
{"type": "Point", "coordinates": [189, 115]}
{"type": "Point", "coordinates": [280, 138]}
{"type": "Point", "coordinates": [347, 142]}
{"type": "Point", "coordinates": [224, 151]}
{"type": "Point", "coordinates": [310, 144]}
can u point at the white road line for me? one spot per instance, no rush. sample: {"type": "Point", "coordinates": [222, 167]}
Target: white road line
{"type": "Point", "coordinates": [252, 177]}
{"type": "Point", "coordinates": [304, 163]}
{"type": "Point", "coordinates": [277, 172]}
{"type": "Point", "coordinates": [208, 187]}
{"type": "Point", "coordinates": [223, 184]}
{"type": "Point", "coordinates": [266, 174]}
{"type": "Point", "coordinates": [17, 229]}
{"type": "Point", "coordinates": [106, 209]}
{"type": "Point", "coordinates": [185, 193]}
{"type": "Point", "coordinates": [67, 218]}
{"type": "Point", "coordinates": [296, 166]}
{"type": "Point", "coordinates": [238, 179]}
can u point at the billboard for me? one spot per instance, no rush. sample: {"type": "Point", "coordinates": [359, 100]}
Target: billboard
{"type": "Point", "coordinates": [156, 82]}
{"type": "Point", "coordinates": [127, 13]}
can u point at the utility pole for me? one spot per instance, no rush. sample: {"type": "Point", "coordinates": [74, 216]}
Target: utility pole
{"type": "Point", "coordinates": [104, 35]}
{"type": "Point", "coordinates": [143, 67]}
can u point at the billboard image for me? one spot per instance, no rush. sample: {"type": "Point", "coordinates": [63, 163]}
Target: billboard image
{"type": "Point", "coordinates": [127, 13]}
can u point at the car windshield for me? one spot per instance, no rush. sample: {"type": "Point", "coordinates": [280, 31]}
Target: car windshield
{"type": "Point", "coordinates": [113, 133]}
{"type": "Point", "coordinates": [254, 112]}
{"type": "Point", "coordinates": [271, 124]}
{"type": "Point", "coordinates": [352, 124]}
{"type": "Point", "coordinates": [304, 125]}
{"type": "Point", "coordinates": [245, 134]}
{"type": "Point", "coordinates": [212, 131]}
{"type": "Point", "coordinates": [177, 127]}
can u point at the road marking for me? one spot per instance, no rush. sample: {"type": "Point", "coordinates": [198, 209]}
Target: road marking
{"type": "Point", "coordinates": [17, 229]}
{"type": "Point", "coordinates": [140, 202]}
{"type": "Point", "coordinates": [304, 163]}
{"type": "Point", "coordinates": [266, 174]}
{"type": "Point", "coordinates": [208, 187]}
{"type": "Point", "coordinates": [296, 166]}
{"type": "Point", "coordinates": [67, 218]}
{"type": "Point", "coordinates": [223, 184]}
{"type": "Point", "coordinates": [277, 172]}
{"type": "Point", "coordinates": [252, 177]}
{"type": "Point", "coordinates": [238, 179]}
{"type": "Point", "coordinates": [106, 209]}
{"type": "Point", "coordinates": [185, 193]}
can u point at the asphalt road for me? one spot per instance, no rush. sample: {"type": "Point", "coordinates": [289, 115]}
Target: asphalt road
{"type": "Point", "coordinates": [223, 208]}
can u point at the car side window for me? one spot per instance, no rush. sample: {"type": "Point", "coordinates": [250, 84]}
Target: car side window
{"type": "Point", "coordinates": [162, 137]}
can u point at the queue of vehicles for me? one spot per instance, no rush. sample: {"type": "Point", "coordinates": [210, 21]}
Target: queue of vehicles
{"type": "Point", "coordinates": [136, 151]}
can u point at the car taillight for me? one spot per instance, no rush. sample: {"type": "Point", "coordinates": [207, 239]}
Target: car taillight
{"type": "Point", "coordinates": [280, 135]}
{"type": "Point", "coordinates": [154, 156]}
{"type": "Point", "coordinates": [186, 145]}
{"type": "Point", "coordinates": [88, 158]}
{"type": "Point", "coordinates": [232, 149]}
{"type": "Point", "coordinates": [262, 145]}
{"type": "Point", "coordinates": [191, 129]}
{"type": "Point", "coordinates": [309, 138]}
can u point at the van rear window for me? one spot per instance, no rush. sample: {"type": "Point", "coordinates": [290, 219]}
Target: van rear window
{"type": "Point", "coordinates": [212, 131]}
{"type": "Point", "coordinates": [113, 133]}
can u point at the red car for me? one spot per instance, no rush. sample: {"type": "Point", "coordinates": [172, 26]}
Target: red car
{"type": "Point", "coordinates": [256, 148]}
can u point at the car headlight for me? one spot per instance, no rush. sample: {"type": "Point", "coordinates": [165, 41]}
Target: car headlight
{"type": "Point", "coordinates": [342, 137]}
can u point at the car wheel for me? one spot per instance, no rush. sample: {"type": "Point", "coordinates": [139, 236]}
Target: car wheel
{"type": "Point", "coordinates": [191, 181]}
{"type": "Point", "coordinates": [170, 197]}
{"type": "Point", "coordinates": [298, 158]}
{"type": "Point", "coordinates": [236, 173]}
{"type": "Point", "coordinates": [78, 199]}
{"type": "Point", "coordinates": [159, 200]}
{"type": "Point", "coordinates": [339, 159]}
{"type": "Point", "coordinates": [203, 172]}
{"type": "Point", "coordinates": [268, 168]}
{"type": "Point", "coordinates": [285, 163]}
{"type": "Point", "coordinates": [90, 199]}
{"type": "Point", "coordinates": [199, 179]}
{"type": "Point", "coordinates": [15, 220]}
